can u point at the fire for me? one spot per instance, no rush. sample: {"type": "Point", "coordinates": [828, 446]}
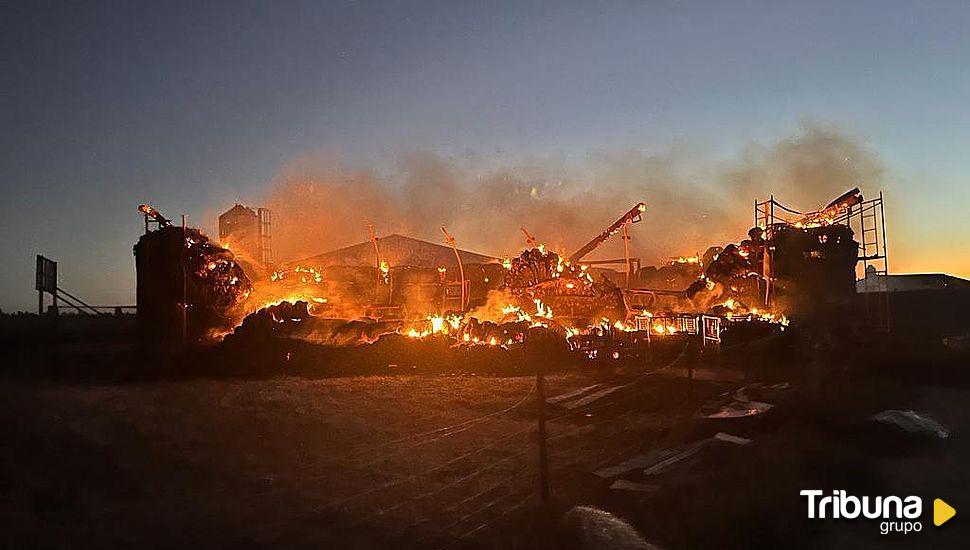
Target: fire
{"type": "Point", "coordinates": [542, 310]}
{"type": "Point", "coordinates": [623, 327]}
{"type": "Point", "coordinates": [435, 324]}
{"type": "Point", "coordinates": [306, 274]}
{"type": "Point", "coordinates": [510, 311]}
{"type": "Point", "coordinates": [823, 217]}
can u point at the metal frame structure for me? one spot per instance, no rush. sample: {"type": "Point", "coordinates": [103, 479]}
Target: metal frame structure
{"type": "Point", "coordinates": [46, 281]}
{"type": "Point", "coordinates": [711, 330]}
{"type": "Point", "coordinates": [867, 220]}
{"type": "Point", "coordinates": [461, 268]}
{"type": "Point", "coordinates": [265, 218]}
{"type": "Point", "coordinates": [634, 215]}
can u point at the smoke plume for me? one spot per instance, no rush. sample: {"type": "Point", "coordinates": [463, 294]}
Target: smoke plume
{"type": "Point", "coordinates": [693, 202]}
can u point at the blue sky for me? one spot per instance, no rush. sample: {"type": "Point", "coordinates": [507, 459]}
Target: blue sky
{"type": "Point", "coordinates": [191, 106]}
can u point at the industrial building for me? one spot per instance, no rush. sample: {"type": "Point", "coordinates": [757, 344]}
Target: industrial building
{"type": "Point", "coordinates": [918, 306]}
{"type": "Point", "coordinates": [397, 250]}
{"type": "Point", "coordinates": [247, 231]}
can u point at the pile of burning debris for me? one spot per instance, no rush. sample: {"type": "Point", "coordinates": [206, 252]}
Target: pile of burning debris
{"type": "Point", "coordinates": [187, 285]}
{"type": "Point", "coordinates": [539, 275]}
{"type": "Point", "coordinates": [785, 265]}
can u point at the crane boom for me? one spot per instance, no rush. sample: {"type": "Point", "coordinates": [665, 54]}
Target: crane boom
{"type": "Point", "coordinates": [529, 238]}
{"type": "Point", "coordinates": [633, 216]}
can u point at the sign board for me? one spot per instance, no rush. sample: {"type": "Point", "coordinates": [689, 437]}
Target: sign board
{"type": "Point", "coordinates": [46, 274]}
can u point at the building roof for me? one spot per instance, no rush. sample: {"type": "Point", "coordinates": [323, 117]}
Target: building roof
{"type": "Point", "coordinates": [238, 210]}
{"type": "Point", "coordinates": [910, 282]}
{"type": "Point", "coordinates": [397, 250]}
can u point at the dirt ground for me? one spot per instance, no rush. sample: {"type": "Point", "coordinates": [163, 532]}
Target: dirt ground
{"type": "Point", "coordinates": [441, 461]}
{"type": "Point", "coordinates": [413, 460]}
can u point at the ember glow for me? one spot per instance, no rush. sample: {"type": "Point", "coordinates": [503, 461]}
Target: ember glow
{"type": "Point", "coordinates": [503, 300]}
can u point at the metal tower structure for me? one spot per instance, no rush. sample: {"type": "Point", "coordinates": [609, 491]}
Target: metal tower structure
{"type": "Point", "coordinates": [867, 219]}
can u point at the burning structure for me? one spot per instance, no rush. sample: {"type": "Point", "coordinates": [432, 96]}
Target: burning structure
{"type": "Point", "coordinates": [801, 264]}
{"type": "Point", "coordinates": [186, 285]}
{"type": "Point", "coordinates": [393, 277]}
{"type": "Point", "coordinates": [248, 232]}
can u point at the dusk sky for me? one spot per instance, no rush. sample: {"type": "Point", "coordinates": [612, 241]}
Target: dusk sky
{"type": "Point", "coordinates": [192, 106]}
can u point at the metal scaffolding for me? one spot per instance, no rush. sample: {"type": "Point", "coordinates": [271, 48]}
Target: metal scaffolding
{"type": "Point", "coordinates": [867, 219]}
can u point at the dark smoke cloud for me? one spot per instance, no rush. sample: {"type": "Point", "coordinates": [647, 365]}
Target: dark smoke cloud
{"type": "Point", "coordinates": [693, 201]}
{"type": "Point", "coordinates": [806, 170]}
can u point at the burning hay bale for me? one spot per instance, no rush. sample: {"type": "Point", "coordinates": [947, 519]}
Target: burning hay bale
{"type": "Point", "coordinates": [569, 290]}
{"type": "Point", "coordinates": [494, 334]}
{"type": "Point", "coordinates": [814, 267]}
{"type": "Point", "coordinates": [734, 273]}
{"type": "Point", "coordinates": [803, 267]}
{"type": "Point", "coordinates": [181, 272]}
{"type": "Point", "coordinates": [677, 274]}
{"type": "Point", "coordinates": [295, 321]}
{"type": "Point", "coordinates": [288, 337]}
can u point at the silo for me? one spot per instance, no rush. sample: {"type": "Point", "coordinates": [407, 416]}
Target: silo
{"type": "Point", "coordinates": [246, 231]}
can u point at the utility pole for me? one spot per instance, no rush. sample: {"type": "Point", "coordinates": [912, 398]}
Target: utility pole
{"type": "Point", "coordinates": [185, 305]}
{"type": "Point", "coordinates": [383, 269]}
{"type": "Point", "coordinates": [626, 252]}
{"type": "Point", "coordinates": [543, 451]}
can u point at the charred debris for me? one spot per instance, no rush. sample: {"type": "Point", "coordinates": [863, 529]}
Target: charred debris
{"type": "Point", "coordinates": [792, 266]}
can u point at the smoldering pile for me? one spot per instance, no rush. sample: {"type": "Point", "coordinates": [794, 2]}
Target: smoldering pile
{"type": "Point", "coordinates": [179, 265]}
{"type": "Point", "coordinates": [287, 337]}
{"type": "Point", "coordinates": [569, 290]}
{"type": "Point", "coordinates": [294, 321]}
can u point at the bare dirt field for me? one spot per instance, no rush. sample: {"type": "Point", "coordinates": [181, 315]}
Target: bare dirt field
{"type": "Point", "coordinates": [421, 460]}
{"type": "Point", "coordinates": [439, 461]}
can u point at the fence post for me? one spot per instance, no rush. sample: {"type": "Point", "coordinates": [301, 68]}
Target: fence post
{"type": "Point", "coordinates": [690, 386]}
{"type": "Point", "coordinates": [541, 413]}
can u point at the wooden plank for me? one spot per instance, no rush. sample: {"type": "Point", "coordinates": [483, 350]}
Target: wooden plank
{"type": "Point", "coordinates": [680, 456]}
{"type": "Point", "coordinates": [728, 438]}
{"type": "Point", "coordinates": [627, 485]}
{"type": "Point", "coordinates": [593, 397]}
{"type": "Point", "coordinates": [634, 463]}
{"type": "Point", "coordinates": [570, 395]}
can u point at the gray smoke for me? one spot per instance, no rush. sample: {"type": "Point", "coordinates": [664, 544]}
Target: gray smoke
{"type": "Point", "coordinates": [693, 201]}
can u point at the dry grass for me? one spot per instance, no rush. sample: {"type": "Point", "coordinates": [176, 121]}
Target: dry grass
{"type": "Point", "coordinates": [288, 460]}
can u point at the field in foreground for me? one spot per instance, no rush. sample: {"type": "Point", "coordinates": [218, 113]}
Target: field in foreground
{"type": "Point", "coordinates": [417, 460]}
{"type": "Point", "coordinates": [397, 461]}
